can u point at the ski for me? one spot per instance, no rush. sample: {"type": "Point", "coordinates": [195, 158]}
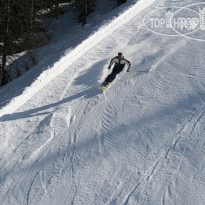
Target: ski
{"type": "Point", "coordinates": [103, 88]}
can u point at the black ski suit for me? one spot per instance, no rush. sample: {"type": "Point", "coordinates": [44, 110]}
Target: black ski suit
{"type": "Point", "coordinates": [118, 67]}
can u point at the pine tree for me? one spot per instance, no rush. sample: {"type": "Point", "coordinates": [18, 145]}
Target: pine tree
{"type": "Point", "coordinates": [121, 2]}
{"type": "Point", "coordinates": [84, 7]}
{"type": "Point", "coordinates": [5, 37]}
{"type": "Point", "coordinates": [18, 30]}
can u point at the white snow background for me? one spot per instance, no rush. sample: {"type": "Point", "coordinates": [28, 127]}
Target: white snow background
{"type": "Point", "coordinates": [141, 142]}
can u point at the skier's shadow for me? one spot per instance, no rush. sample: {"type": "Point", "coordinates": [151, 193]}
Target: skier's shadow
{"type": "Point", "coordinates": [87, 93]}
{"type": "Point", "coordinates": [91, 77]}
{"type": "Point", "coordinates": [42, 110]}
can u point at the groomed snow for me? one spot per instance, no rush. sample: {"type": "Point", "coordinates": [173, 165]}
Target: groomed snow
{"type": "Point", "coordinates": [142, 142]}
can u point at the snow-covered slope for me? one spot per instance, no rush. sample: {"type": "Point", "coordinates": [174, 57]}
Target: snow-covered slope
{"type": "Point", "coordinates": [142, 142]}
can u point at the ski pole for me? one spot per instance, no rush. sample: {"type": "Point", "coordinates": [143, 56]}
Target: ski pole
{"type": "Point", "coordinates": [139, 71]}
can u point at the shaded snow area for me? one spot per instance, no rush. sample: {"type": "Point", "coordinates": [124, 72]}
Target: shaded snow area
{"type": "Point", "coordinates": [139, 143]}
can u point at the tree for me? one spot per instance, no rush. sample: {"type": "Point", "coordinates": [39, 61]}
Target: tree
{"type": "Point", "coordinates": [84, 7]}
{"type": "Point", "coordinates": [121, 2]}
{"type": "Point", "coordinates": [5, 20]}
{"type": "Point", "coordinates": [18, 30]}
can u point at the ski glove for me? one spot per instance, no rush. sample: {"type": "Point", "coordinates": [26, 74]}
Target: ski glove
{"type": "Point", "coordinates": [109, 67]}
{"type": "Point", "coordinates": [128, 70]}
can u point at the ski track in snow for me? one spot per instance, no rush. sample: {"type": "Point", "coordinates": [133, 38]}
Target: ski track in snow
{"type": "Point", "coordinates": [149, 174]}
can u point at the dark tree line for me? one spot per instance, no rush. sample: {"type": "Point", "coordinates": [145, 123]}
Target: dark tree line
{"type": "Point", "coordinates": [20, 29]}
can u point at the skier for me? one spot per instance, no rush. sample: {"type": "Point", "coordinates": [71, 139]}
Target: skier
{"type": "Point", "coordinates": [120, 62]}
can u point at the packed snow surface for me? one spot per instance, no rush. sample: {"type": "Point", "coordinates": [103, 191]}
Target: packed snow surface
{"type": "Point", "coordinates": [62, 141]}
